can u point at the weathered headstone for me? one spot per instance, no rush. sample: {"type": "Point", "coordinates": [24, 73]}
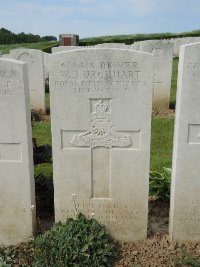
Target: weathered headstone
{"type": "Point", "coordinates": [17, 203]}
{"type": "Point", "coordinates": [58, 49]}
{"type": "Point", "coordinates": [35, 60]}
{"type": "Point", "coordinates": [101, 137]}
{"type": "Point", "coordinates": [185, 190]}
{"type": "Point", "coordinates": [182, 41]}
{"type": "Point", "coordinates": [111, 45]}
{"type": "Point", "coordinates": [46, 66]}
{"type": "Point", "coordinates": [6, 56]}
{"type": "Point", "coordinates": [135, 46]}
{"type": "Point", "coordinates": [163, 60]}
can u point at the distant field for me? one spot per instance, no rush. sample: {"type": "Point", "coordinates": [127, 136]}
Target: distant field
{"type": "Point", "coordinates": [129, 39]}
{"type": "Point", "coordinates": [4, 49]}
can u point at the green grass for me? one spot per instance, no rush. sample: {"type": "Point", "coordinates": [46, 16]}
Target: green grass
{"type": "Point", "coordinates": [42, 133]}
{"type": "Point", "coordinates": [161, 143]}
{"type": "Point", "coordinates": [174, 83]}
{"type": "Point", "coordinates": [5, 49]}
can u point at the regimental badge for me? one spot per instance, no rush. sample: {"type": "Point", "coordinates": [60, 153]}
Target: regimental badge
{"type": "Point", "coordinates": [102, 132]}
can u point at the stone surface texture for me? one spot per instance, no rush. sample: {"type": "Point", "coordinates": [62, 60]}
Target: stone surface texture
{"type": "Point", "coordinates": [163, 60]}
{"type": "Point", "coordinates": [185, 190]}
{"type": "Point", "coordinates": [182, 41]}
{"type": "Point", "coordinates": [111, 45]}
{"type": "Point", "coordinates": [17, 197]}
{"type": "Point", "coordinates": [101, 137]}
{"type": "Point", "coordinates": [58, 49]}
{"type": "Point", "coordinates": [46, 65]}
{"type": "Point", "coordinates": [35, 60]}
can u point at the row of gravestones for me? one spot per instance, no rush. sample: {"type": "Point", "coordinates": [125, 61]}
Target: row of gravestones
{"type": "Point", "coordinates": [37, 73]}
{"type": "Point", "coordinates": [163, 61]}
{"type": "Point", "coordinates": [163, 51]}
{"type": "Point", "coordinates": [101, 127]}
{"type": "Point", "coordinates": [38, 69]}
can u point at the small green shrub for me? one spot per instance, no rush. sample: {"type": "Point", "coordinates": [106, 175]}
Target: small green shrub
{"type": "Point", "coordinates": [77, 243]}
{"type": "Point", "coordinates": [160, 183]}
{"type": "Point", "coordinates": [3, 263]}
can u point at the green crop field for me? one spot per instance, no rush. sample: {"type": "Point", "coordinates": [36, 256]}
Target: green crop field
{"type": "Point", "coordinates": [5, 49]}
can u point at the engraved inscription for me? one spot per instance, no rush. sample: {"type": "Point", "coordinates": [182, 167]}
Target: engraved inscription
{"type": "Point", "coordinates": [102, 132]}
{"type": "Point", "coordinates": [194, 67]}
{"type": "Point", "coordinates": [110, 78]}
{"type": "Point", "coordinates": [194, 134]}
{"type": "Point", "coordinates": [119, 214]}
{"type": "Point", "coordinates": [6, 84]}
{"type": "Point", "coordinates": [2, 74]}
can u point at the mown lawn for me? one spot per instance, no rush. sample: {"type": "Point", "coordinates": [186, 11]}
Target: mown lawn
{"type": "Point", "coordinates": [5, 49]}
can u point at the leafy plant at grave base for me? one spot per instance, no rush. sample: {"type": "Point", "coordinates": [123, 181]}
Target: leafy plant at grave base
{"type": "Point", "coordinates": [160, 183]}
{"type": "Point", "coordinates": [3, 263]}
{"type": "Point", "coordinates": [41, 154]}
{"type": "Point", "coordinates": [187, 261]}
{"type": "Point", "coordinates": [77, 243]}
{"type": "Point", "coordinates": [7, 256]}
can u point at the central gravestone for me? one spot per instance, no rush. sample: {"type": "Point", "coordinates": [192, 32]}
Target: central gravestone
{"type": "Point", "coordinates": [101, 119]}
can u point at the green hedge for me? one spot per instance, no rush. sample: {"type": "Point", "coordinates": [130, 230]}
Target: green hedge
{"type": "Point", "coordinates": [129, 39]}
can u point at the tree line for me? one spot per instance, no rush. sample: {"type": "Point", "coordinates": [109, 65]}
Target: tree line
{"type": "Point", "coordinates": [8, 37]}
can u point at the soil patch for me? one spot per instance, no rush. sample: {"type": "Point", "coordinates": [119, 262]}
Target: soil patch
{"type": "Point", "coordinates": [157, 250]}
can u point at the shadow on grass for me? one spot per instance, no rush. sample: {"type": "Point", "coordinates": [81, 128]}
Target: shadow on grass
{"type": "Point", "coordinates": [44, 192]}
{"type": "Point", "coordinates": [172, 105]}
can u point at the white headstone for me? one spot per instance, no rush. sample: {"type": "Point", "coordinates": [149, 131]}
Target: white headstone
{"type": "Point", "coordinates": [101, 137]}
{"type": "Point", "coordinates": [6, 56]}
{"type": "Point", "coordinates": [163, 60]}
{"type": "Point", "coordinates": [135, 46]}
{"type": "Point", "coordinates": [46, 66]}
{"type": "Point", "coordinates": [17, 203]}
{"type": "Point", "coordinates": [35, 61]}
{"type": "Point", "coordinates": [185, 190]}
{"type": "Point", "coordinates": [58, 49]}
{"type": "Point", "coordinates": [111, 45]}
{"type": "Point", "coordinates": [182, 41]}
